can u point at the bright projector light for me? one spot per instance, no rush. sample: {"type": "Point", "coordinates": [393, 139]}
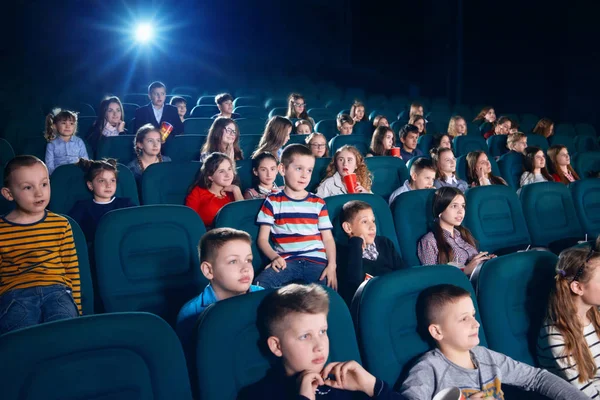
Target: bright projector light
{"type": "Point", "coordinates": [143, 33]}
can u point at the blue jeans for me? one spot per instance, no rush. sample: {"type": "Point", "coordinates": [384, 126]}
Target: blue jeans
{"type": "Point", "coordinates": [20, 308]}
{"type": "Point", "coordinates": [296, 270]}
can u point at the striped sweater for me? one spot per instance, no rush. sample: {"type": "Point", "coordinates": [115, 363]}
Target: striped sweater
{"type": "Point", "coordinates": [550, 349]}
{"type": "Point", "coordinates": [39, 254]}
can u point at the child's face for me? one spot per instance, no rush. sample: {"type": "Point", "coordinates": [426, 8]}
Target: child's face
{"type": "Point", "coordinates": [318, 146]}
{"type": "Point", "coordinates": [104, 185]}
{"type": "Point", "coordinates": [362, 225]}
{"type": "Point", "coordinates": [503, 128]}
{"type": "Point", "coordinates": [297, 174]}
{"type": "Point", "coordinates": [158, 96]}
{"type": "Point", "coordinates": [383, 122]}
{"type": "Point", "coordinates": [410, 143]}
{"type": "Point", "coordinates": [457, 328]}
{"type": "Point", "coordinates": [359, 113]}
{"type": "Point", "coordinates": [299, 106]}
{"type": "Point", "coordinates": [420, 124]}
{"type": "Point", "coordinates": [151, 144]}
{"type": "Point", "coordinates": [287, 135]}
{"type": "Point", "coordinates": [346, 129]}
{"type": "Point", "coordinates": [224, 175]}
{"type": "Point", "coordinates": [29, 187]}
{"type": "Point", "coordinates": [416, 110]}
{"type": "Point", "coordinates": [445, 142]}
{"type": "Point", "coordinates": [303, 343]}
{"type": "Point", "coordinates": [303, 129]}
{"type": "Point", "coordinates": [345, 162]}
{"type": "Point", "coordinates": [114, 114]}
{"type": "Point", "coordinates": [454, 214]}
{"type": "Point", "coordinates": [181, 109]}
{"type": "Point", "coordinates": [226, 107]}
{"type": "Point", "coordinates": [539, 160]}
{"type": "Point", "coordinates": [563, 158]}
{"type": "Point", "coordinates": [65, 127]}
{"type": "Point", "coordinates": [460, 126]}
{"type": "Point", "coordinates": [267, 172]}
{"type": "Point", "coordinates": [388, 141]}
{"type": "Point", "coordinates": [484, 162]}
{"type": "Point", "coordinates": [231, 272]}
{"type": "Point", "coordinates": [490, 116]}
{"type": "Point", "coordinates": [229, 135]}
{"type": "Point", "coordinates": [448, 162]}
{"type": "Point", "coordinates": [424, 179]}
{"type": "Point", "coordinates": [590, 291]}
{"type": "Point", "coordinates": [520, 146]}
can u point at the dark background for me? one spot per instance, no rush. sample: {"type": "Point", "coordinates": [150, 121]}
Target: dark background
{"type": "Point", "coordinates": [518, 56]}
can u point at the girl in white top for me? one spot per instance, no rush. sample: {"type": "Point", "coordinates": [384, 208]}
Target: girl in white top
{"type": "Point", "coordinates": [347, 160]}
{"type": "Point", "coordinates": [569, 343]}
{"type": "Point", "coordinates": [534, 164]}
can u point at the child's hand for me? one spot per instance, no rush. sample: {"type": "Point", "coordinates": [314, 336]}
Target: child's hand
{"type": "Point", "coordinates": [478, 395]}
{"type": "Point", "coordinates": [360, 189]}
{"type": "Point", "coordinates": [308, 382]}
{"type": "Point", "coordinates": [331, 276]}
{"type": "Point", "coordinates": [121, 126]}
{"type": "Point", "coordinates": [277, 264]}
{"type": "Point", "coordinates": [235, 189]}
{"type": "Point", "coordinates": [349, 375]}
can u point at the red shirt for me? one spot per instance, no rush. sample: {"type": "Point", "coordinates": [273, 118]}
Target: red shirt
{"type": "Point", "coordinates": [206, 204]}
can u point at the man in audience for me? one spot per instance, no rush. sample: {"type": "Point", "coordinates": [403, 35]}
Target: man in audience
{"type": "Point", "coordinates": [181, 105]}
{"type": "Point", "coordinates": [422, 175]}
{"type": "Point", "coordinates": [408, 136]}
{"type": "Point", "coordinates": [157, 112]}
{"type": "Point", "coordinates": [224, 102]}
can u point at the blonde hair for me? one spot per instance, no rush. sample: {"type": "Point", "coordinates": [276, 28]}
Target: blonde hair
{"type": "Point", "coordinates": [514, 138]}
{"type": "Point", "coordinates": [363, 175]}
{"type": "Point", "coordinates": [452, 126]}
{"type": "Point", "coordinates": [55, 117]}
{"type": "Point", "coordinates": [414, 109]}
{"type": "Point", "coordinates": [353, 108]}
{"type": "Point", "coordinates": [314, 135]}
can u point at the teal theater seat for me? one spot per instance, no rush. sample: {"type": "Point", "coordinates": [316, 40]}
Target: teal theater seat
{"type": "Point", "coordinates": [586, 199]}
{"type": "Point", "coordinates": [168, 182]}
{"type": "Point", "coordinates": [389, 173]}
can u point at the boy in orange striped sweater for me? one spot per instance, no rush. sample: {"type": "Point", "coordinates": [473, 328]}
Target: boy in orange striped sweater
{"type": "Point", "coordinates": [39, 270]}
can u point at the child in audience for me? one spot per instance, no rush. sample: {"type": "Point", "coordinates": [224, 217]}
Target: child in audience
{"type": "Point", "coordinates": [226, 261]}
{"type": "Point", "coordinates": [445, 165]}
{"type": "Point", "coordinates": [293, 325]}
{"type": "Point", "coordinates": [479, 170]}
{"type": "Point", "coordinates": [380, 120]}
{"type": "Point", "coordinates": [318, 145]}
{"type": "Point", "coordinates": [357, 112]}
{"type": "Point", "coordinates": [304, 127]}
{"type": "Point", "coordinates": [224, 102]}
{"type": "Point", "coordinates": [181, 104]}
{"type": "Point", "coordinates": [223, 137]}
{"type": "Point", "coordinates": [302, 251]}
{"type": "Point", "coordinates": [419, 122]}
{"type": "Point", "coordinates": [534, 164]}
{"type": "Point", "coordinates": [449, 242]}
{"type": "Point", "coordinates": [569, 340]}
{"type": "Point", "coordinates": [63, 146]}
{"type": "Point", "coordinates": [408, 136]}
{"type": "Point", "coordinates": [297, 108]}
{"type": "Point", "coordinates": [366, 253]}
{"type": "Point", "coordinates": [501, 127]}
{"type": "Point", "coordinates": [446, 313]}
{"type": "Point", "coordinates": [416, 108]}
{"type": "Point", "coordinates": [110, 121]}
{"type": "Point", "coordinates": [560, 164]}
{"type": "Point", "coordinates": [486, 119]}
{"type": "Point", "coordinates": [264, 170]}
{"type": "Point", "coordinates": [442, 141]}
{"type": "Point", "coordinates": [101, 179]}
{"type": "Point", "coordinates": [345, 124]}
{"type": "Point", "coordinates": [517, 142]}
{"type": "Point", "coordinates": [157, 112]}
{"type": "Point", "coordinates": [347, 160]}
{"type": "Point", "coordinates": [147, 145]}
{"type": "Point", "coordinates": [381, 142]}
{"type": "Point", "coordinates": [276, 135]}
{"type": "Point", "coordinates": [422, 174]}
{"type": "Point", "coordinates": [457, 126]}
{"type": "Point", "coordinates": [39, 269]}
{"type": "Point", "coordinates": [213, 188]}
{"type": "Point", "coordinates": [544, 127]}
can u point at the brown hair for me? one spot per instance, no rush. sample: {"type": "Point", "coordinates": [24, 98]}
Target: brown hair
{"type": "Point", "coordinates": [418, 165]}
{"type": "Point", "coordinates": [208, 169]}
{"type": "Point", "coordinates": [223, 97]}
{"type": "Point", "coordinates": [291, 113]}
{"type": "Point", "coordinates": [529, 162]}
{"type": "Point", "coordinates": [378, 119]}
{"type": "Point", "coordinates": [413, 108]}
{"type": "Point", "coordinates": [363, 175]}
{"type": "Point", "coordinates": [96, 135]}
{"type": "Point", "coordinates": [274, 136]}
{"type": "Point", "coordinates": [472, 158]}
{"type": "Point", "coordinates": [436, 154]}
{"type": "Point", "coordinates": [56, 116]}
{"type": "Point", "coordinates": [574, 264]}
{"type": "Point", "coordinates": [215, 137]}
{"type": "Point", "coordinates": [552, 155]}
{"type": "Point", "coordinates": [353, 108]}
{"type": "Point", "coordinates": [434, 299]}
{"type": "Point", "coordinates": [156, 85]}
{"type": "Point", "coordinates": [212, 241]}
{"type": "Point", "coordinates": [377, 146]}
{"type": "Point", "coordinates": [19, 162]}
{"type": "Point", "coordinates": [543, 127]}
{"type": "Point", "coordinates": [500, 121]}
{"type": "Point", "coordinates": [92, 168]}
{"type": "Point", "coordinates": [452, 125]}
{"type": "Point", "coordinates": [304, 122]}
{"type": "Point", "coordinates": [481, 115]}
{"type": "Point", "coordinates": [344, 119]}
{"type": "Point", "coordinates": [513, 138]}
{"type": "Point", "coordinates": [296, 149]}
{"type": "Point", "coordinates": [313, 135]}
{"type": "Point", "coordinates": [140, 135]}
{"type": "Point", "coordinates": [351, 208]}
{"type": "Point", "coordinates": [416, 117]}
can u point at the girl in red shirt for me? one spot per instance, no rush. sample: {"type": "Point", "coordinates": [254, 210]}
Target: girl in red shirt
{"type": "Point", "coordinates": [213, 188]}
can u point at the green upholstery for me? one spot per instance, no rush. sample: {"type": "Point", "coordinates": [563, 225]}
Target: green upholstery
{"type": "Point", "coordinates": [85, 273]}
{"type": "Point", "coordinates": [296, 139]}
{"type": "Point", "coordinates": [383, 216]}
{"type": "Point", "coordinates": [461, 167]}
{"type": "Point", "coordinates": [204, 111]}
{"type": "Point", "coordinates": [497, 145]}
{"type": "Point", "coordinates": [319, 114]}
{"type": "Point", "coordinates": [413, 218]}
{"type": "Point", "coordinates": [249, 143]}
{"type": "Point", "coordinates": [513, 295]}
{"type": "Point", "coordinates": [244, 172]}
{"type": "Point", "coordinates": [251, 112]}
{"type": "Point", "coordinates": [586, 199]}
{"type": "Point", "coordinates": [206, 100]}
{"type": "Point", "coordinates": [585, 143]}
{"type": "Point", "coordinates": [281, 111]}
{"type": "Point", "coordinates": [585, 130]}
{"type": "Point", "coordinates": [389, 173]}
{"type": "Point", "coordinates": [528, 122]}
{"type": "Point", "coordinates": [537, 141]}
{"type": "Point", "coordinates": [495, 218]}
{"type": "Point", "coordinates": [587, 164]}
{"type": "Point", "coordinates": [463, 145]}
{"type": "Point", "coordinates": [129, 110]}
{"type": "Point", "coordinates": [68, 187]}
{"type": "Point", "coordinates": [129, 356]}
{"type": "Point", "coordinates": [567, 141]}
{"type": "Point", "coordinates": [565, 129]}
{"type": "Point", "coordinates": [247, 101]}
{"type": "Point", "coordinates": [136, 98]}
{"type": "Point", "coordinates": [511, 168]}
{"type": "Point", "coordinates": [84, 124]}
{"type": "Point", "coordinates": [318, 173]}
{"type": "Point", "coordinates": [197, 126]}
{"type": "Point", "coordinates": [147, 259]}
{"type": "Point", "coordinates": [425, 143]}
{"type": "Point", "coordinates": [117, 147]}
{"type": "Point", "coordinates": [550, 215]}
{"type": "Point", "coordinates": [385, 317]}
{"type": "Point", "coordinates": [365, 128]}
{"type": "Point", "coordinates": [361, 142]}
{"type": "Point", "coordinates": [185, 148]}
{"type": "Point", "coordinates": [168, 182]}
{"type": "Point", "coordinates": [396, 126]}
{"type": "Point", "coordinates": [327, 127]}
{"type": "Point", "coordinates": [227, 344]}
{"type": "Point", "coordinates": [6, 152]}
{"type": "Point", "coordinates": [251, 127]}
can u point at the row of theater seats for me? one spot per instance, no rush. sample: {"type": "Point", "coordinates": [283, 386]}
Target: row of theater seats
{"type": "Point", "coordinates": [138, 356]}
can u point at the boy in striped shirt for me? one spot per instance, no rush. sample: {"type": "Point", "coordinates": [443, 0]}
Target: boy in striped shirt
{"type": "Point", "coordinates": [39, 270]}
{"type": "Point", "coordinates": [298, 224]}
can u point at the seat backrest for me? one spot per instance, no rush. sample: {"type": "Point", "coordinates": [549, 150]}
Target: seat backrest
{"type": "Point", "coordinates": [247, 101]}
{"type": "Point", "coordinates": [116, 356]}
{"type": "Point", "coordinates": [147, 259]}
{"type": "Point", "coordinates": [6, 152]}
{"type": "Point", "coordinates": [463, 145]}
{"type": "Point", "coordinates": [586, 199]}
{"type": "Point", "coordinates": [204, 111]}
{"type": "Point", "coordinates": [117, 147]}
{"type": "Point", "coordinates": [206, 100]}
{"type": "Point", "coordinates": [383, 216]}
{"type": "Point", "coordinates": [228, 353]}
{"type": "Point", "coordinates": [281, 111]}
{"type": "Point", "coordinates": [385, 316]}
{"type": "Point", "coordinates": [425, 143]}
{"type": "Point", "coordinates": [35, 146]}
{"type": "Point", "coordinates": [413, 217]}
{"type": "Point", "coordinates": [83, 125]}
{"type": "Point", "coordinates": [537, 141]}
{"type": "Point", "coordinates": [585, 129]}
{"type": "Point", "coordinates": [497, 145]}
{"type": "Point", "coordinates": [461, 167]}
{"type": "Point", "coordinates": [68, 187]}
{"type": "Point", "coordinates": [245, 174]}
{"type": "Point", "coordinates": [185, 148]}
{"type": "Point", "coordinates": [567, 141]}
{"type": "Point", "coordinates": [587, 164]}
{"type": "Point", "coordinates": [495, 218]}
{"type": "Point", "coordinates": [511, 168]}
{"type": "Point", "coordinates": [197, 126]}
{"type": "Point", "coordinates": [389, 173]}
{"type": "Point", "coordinates": [168, 182]}
{"type": "Point", "coordinates": [249, 143]}
{"type": "Point", "coordinates": [356, 140]}
{"type": "Point", "coordinates": [319, 114]}
{"type": "Point", "coordinates": [251, 126]}
{"type": "Point", "coordinates": [565, 129]}
{"type": "Point", "coordinates": [318, 173]}
{"type": "Point", "coordinates": [586, 143]}
{"type": "Point", "coordinates": [550, 213]}
{"type": "Point", "coordinates": [251, 112]}
{"type": "Point", "coordinates": [513, 295]}
{"type": "Point", "coordinates": [327, 127]}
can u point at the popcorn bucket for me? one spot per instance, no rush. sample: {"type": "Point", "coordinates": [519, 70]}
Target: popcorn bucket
{"type": "Point", "coordinates": [165, 130]}
{"type": "Point", "coordinates": [450, 394]}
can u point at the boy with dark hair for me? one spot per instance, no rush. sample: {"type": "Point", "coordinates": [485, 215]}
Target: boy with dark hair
{"type": "Point", "coordinates": [181, 104]}
{"type": "Point", "coordinates": [157, 112]}
{"type": "Point", "coordinates": [345, 124]}
{"type": "Point", "coordinates": [224, 102]}
{"type": "Point", "coordinates": [298, 224]}
{"type": "Point", "coordinates": [409, 134]}
{"type": "Point", "coordinates": [448, 316]}
{"type": "Point", "coordinates": [422, 175]}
